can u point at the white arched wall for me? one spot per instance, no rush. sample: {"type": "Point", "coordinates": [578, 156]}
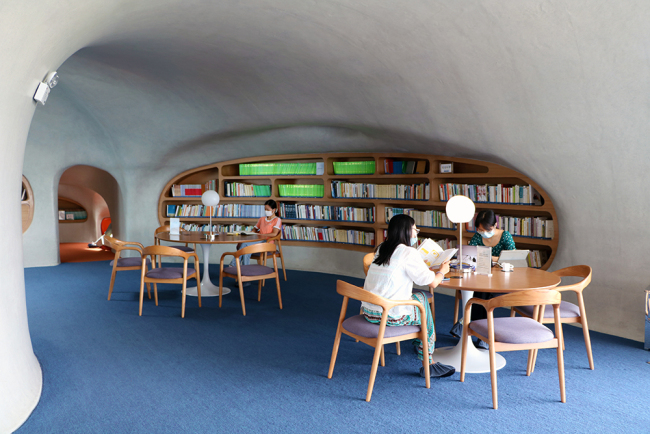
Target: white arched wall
{"type": "Point", "coordinates": [555, 89]}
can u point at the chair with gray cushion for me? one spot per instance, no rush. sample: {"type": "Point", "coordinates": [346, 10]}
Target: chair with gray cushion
{"type": "Point", "coordinates": [277, 253]}
{"type": "Point", "coordinates": [168, 274]}
{"type": "Point", "coordinates": [248, 273]}
{"type": "Point", "coordinates": [569, 312]}
{"type": "Point", "coordinates": [184, 248]}
{"type": "Point", "coordinates": [515, 334]}
{"type": "Point", "coordinates": [376, 335]}
{"type": "Point", "coordinates": [124, 264]}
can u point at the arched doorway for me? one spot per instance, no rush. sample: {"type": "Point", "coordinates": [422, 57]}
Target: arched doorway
{"type": "Point", "coordinates": [84, 193]}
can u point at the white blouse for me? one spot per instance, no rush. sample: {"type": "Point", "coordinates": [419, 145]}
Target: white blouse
{"type": "Point", "coordinates": [395, 280]}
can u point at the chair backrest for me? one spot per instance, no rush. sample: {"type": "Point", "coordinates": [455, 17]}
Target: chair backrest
{"type": "Point", "coordinates": [356, 293]}
{"type": "Point", "coordinates": [256, 248]}
{"type": "Point", "coordinates": [583, 271]}
{"type": "Point", "coordinates": [532, 297]}
{"type": "Point", "coordinates": [165, 251]}
{"type": "Point", "coordinates": [367, 261]}
{"type": "Point", "coordinates": [164, 228]}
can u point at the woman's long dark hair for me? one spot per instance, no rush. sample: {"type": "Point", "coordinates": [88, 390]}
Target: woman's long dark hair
{"type": "Point", "coordinates": [399, 232]}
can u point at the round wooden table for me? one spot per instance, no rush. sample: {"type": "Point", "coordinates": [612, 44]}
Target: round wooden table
{"type": "Point", "coordinates": [520, 279]}
{"type": "Point", "coordinates": [208, 289]}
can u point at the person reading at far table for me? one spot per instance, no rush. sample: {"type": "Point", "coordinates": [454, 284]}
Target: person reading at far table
{"type": "Point", "coordinates": [488, 235]}
{"type": "Point", "coordinates": [396, 266]}
{"type": "Point", "coordinates": [270, 223]}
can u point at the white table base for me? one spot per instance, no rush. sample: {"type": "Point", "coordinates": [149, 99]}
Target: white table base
{"type": "Point", "coordinates": [477, 361]}
{"type": "Point", "coordinates": [208, 289]}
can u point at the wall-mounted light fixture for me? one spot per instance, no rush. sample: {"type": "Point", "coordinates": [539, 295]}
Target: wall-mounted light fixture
{"type": "Point", "coordinates": [43, 89]}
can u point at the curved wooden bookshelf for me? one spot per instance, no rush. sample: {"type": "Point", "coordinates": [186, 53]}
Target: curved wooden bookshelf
{"type": "Point", "coordinates": [27, 204]}
{"type": "Point", "coordinates": [66, 204]}
{"type": "Point", "coordinates": [466, 171]}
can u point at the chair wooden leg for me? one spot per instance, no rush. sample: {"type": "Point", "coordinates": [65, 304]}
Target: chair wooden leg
{"type": "Point", "coordinates": [220, 286]}
{"type": "Point", "coordinates": [512, 312]}
{"type": "Point", "coordinates": [373, 370]}
{"type": "Point", "coordinates": [198, 287]}
{"type": "Point", "coordinates": [493, 376]}
{"type": "Point", "coordinates": [141, 292]}
{"type": "Point", "coordinates": [456, 306]}
{"type": "Point", "coordinates": [433, 309]}
{"type": "Point", "coordinates": [585, 332]}
{"type": "Point", "coordinates": [110, 288]}
{"type": "Point", "coordinates": [149, 290]}
{"type": "Point", "coordinates": [383, 359]}
{"type": "Point", "coordinates": [335, 351]}
{"type": "Point", "coordinates": [277, 282]}
{"type": "Point", "coordinates": [259, 290]}
{"type": "Point", "coordinates": [284, 270]}
{"type": "Point", "coordinates": [560, 370]}
{"type": "Point", "coordinates": [183, 300]}
{"type": "Point", "coordinates": [529, 367]}
{"type": "Point", "coordinates": [399, 350]}
{"type": "Point", "coordinates": [241, 296]}
{"type": "Point", "coordinates": [155, 292]}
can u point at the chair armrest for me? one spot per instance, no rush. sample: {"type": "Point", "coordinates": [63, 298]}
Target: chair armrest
{"type": "Point", "coordinates": [134, 243]}
{"type": "Point", "coordinates": [228, 254]}
{"type": "Point", "coordinates": [129, 248]}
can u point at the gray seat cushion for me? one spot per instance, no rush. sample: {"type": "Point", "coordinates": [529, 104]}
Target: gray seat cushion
{"type": "Point", "coordinates": [186, 249]}
{"type": "Point", "coordinates": [517, 330]}
{"type": "Point", "coordinates": [360, 326]}
{"type": "Point", "coordinates": [168, 273]}
{"type": "Point", "coordinates": [567, 310]}
{"type": "Point", "coordinates": [130, 262]}
{"type": "Point", "coordinates": [250, 270]}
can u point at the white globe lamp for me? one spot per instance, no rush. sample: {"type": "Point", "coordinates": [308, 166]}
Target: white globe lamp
{"type": "Point", "coordinates": [210, 198]}
{"type": "Point", "coordinates": [460, 209]}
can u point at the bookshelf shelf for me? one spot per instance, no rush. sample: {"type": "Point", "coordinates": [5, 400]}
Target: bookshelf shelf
{"type": "Point", "coordinates": [71, 207]}
{"type": "Point", "coordinates": [466, 171]}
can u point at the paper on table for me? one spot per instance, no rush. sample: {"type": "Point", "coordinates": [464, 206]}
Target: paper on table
{"type": "Point", "coordinates": [174, 226]}
{"type": "Point", "coordinates": [483, 260]}
{"type": "Point", "coordinates": [242, 233]}
{"type": "Point", "coordinates": [433, 254]}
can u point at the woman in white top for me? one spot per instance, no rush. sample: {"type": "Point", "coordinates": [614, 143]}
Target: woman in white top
{"type": "Point", "coordinates": [392, 273]}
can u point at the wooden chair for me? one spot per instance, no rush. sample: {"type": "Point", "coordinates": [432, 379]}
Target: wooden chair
{"type": "Point", "coordinates": [569, 312]}
{"type": "Point", "coordinates": [124, 264]}
{"type": "Point", "coordinates": [185, 248]}
{"type": "Point", "coordinates": [168, 274]}
{"type": "Point", "coordinates": [376, 335]}
{"type": "Point", "coordinates": [278, 253]}
{"type": "Point", "coordinates": [514, 334]}
{"type": "Point", "coordinates": [247, 273]}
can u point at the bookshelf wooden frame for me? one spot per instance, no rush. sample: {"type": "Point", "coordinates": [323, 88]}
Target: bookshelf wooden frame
{"type": "Point", "coordinates": [465, 171]}
{"type": "Point", "coordinates": [78, 206]}
{"type": "Point", "coordinates": [27, 205]}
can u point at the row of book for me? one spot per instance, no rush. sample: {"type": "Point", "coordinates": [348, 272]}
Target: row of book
{"type": "Point", "coordinates": [72, 215]}
{"type": "Point", "coordinates": [445, 243]}
{"type": "Point", "coordinates": [537, 258]}
{"type": "Point", "coordinates": [327, 235]}
{"type": "Point", "coordinates": [224, 210]}
{"type": "Point", "coordinates": [238, 189]}
{"type": "Point", "coordinates": [256, 169]}
{"type": "Point", "coordinates": [325, 212]}
{"type": "Point", "coordinates": [430, 218]}
{"type": "Point", "coordinates": [499, 193]}
{"type": "Point", "coordinates": [344, 189]}
{"type": "Point", "coordinates": [532, 227]}
{"type": "Point", "coordinates": [392, 167]}
{"type": "Point", "coordinates": [181, 190]}
{"type": "Point", "coordinates": [197, 227]}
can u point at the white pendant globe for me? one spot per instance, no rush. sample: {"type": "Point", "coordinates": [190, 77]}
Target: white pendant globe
{"type": "Point", "coordinates": [210, 198]}
{"type": "Point", "coordinates": [460, 209]}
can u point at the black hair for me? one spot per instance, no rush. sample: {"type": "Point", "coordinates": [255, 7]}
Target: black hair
{"type": "Point", "coordinates": [399, 232]}
{"type": "Point", "coordinates": [486, 218]}
{"type": "Point", "coordinates": [273, 204]}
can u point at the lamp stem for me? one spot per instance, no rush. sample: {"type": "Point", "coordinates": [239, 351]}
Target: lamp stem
{"type": "Point", "coordinates": [460, 259]}
{"type": "Point", "coordinates": [210, 222]}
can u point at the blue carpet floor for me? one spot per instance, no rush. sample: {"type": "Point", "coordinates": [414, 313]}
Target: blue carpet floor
{"type": "Point", "coordinates": [107, 370]}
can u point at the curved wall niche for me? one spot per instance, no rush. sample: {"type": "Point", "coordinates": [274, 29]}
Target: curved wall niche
{"type": "Point", "coordinates": [27, 204]}
{"type": "Point", "coordinates": [71, 211]}
{"type": "Point", "coordinates": [365, 218]}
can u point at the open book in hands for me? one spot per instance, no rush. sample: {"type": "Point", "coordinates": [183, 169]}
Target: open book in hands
{"type": "Point", "coordinates": [433, 254]}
